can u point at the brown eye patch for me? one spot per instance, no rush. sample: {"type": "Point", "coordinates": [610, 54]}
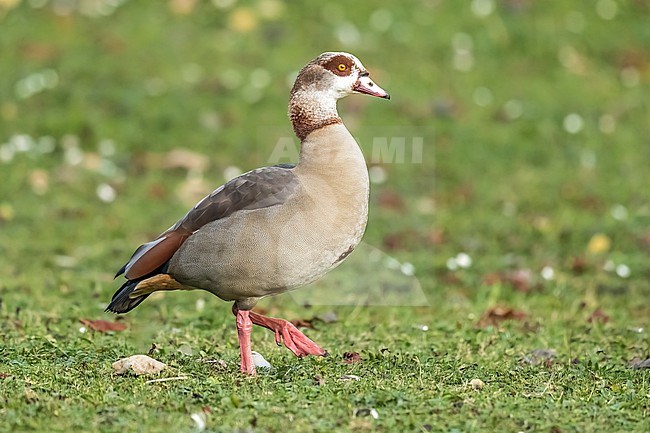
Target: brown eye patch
{"type": "Point", "coordinates": [340, 65]}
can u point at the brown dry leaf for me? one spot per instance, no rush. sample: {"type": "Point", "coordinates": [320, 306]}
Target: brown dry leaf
{"type": "Point", "coordinates": [4, 375]}
{"type": "Point", "coordinates": [598, 316]}
{"type": "Point", "coordinates": [579, 265]}
{"type": "Point", "coordinates": [638, 363]}
{"type": "Point", "coordinates": [492, 278]}
{"type": "Point", "coordinates": [645, 241]}
{"type": "Point", "coordinates": [351, 357]}
{"type": "Point", "coordinates": [436, 237]}
{"type": "Point", "coordinates": [303, 323]}
{"type": "Point", "coordinates": [103, 325]}
{"type": "Point", "coordinates": [498, 314]}
{"type": "Point", "coordinates": [389, 199]}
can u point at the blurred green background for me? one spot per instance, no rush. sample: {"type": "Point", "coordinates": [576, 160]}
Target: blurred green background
{"type": "Point", "coordinates": [532, 193]}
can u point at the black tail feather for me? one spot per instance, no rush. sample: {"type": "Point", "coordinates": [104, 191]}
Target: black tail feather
{"type": "Point", "coordinates": [121, 302]}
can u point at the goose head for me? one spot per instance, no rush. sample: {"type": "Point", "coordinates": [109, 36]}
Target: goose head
{"type": "Point", "coordinates": [323, 81]}
{"type": "Point", "coordinates": [335, 75]}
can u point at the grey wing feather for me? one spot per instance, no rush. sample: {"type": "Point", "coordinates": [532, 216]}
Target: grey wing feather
{"type": "Point", "coordinates": [257, 189]}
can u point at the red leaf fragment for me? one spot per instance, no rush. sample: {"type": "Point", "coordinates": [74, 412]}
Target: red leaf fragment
{"type": "Point", "coordinates": [103, 325]}
{"type": "Point", "coordinates": [302, 323]}
{"type": "Point", "coordinates": [351, 357]}
{"type": "Point", "coordinates": [598, 316]}
{"type": "Point", "coordinates": [498, 314]}
{"type": "Point", "coordinates": [578, 265]}
{"type": "Point", "coordinates": [389, 199]}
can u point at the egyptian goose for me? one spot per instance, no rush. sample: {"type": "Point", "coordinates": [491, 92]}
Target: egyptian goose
{"type": "Point", "coordinates": [272, 229]}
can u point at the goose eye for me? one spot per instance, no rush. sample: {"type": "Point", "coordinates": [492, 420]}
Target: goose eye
{"type": "Point", "coordinates": [342, 67]}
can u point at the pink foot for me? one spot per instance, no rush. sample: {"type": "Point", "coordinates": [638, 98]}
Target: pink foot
{"type": "Point", "coordinates": [286, 332]}
{"type": "Point", "coordinates": [244, 326]}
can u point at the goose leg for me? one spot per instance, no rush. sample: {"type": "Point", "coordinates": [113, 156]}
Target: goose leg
{"type": "Point", "coordinates": [244, 326]}
{"type": "Point", "coordinates": [287, 333]}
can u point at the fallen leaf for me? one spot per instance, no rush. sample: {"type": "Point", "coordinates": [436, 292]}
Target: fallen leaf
{"type": "Point", "coordinates": [498, 314]}
{"type": "Point", "coordinates": [436, 237]}
{"type": "Point", "coordinates": [637, 363]}
{"type": "Point", "coordinates": [579, 265]}
{"type": "Point", "coordinates": [103, 325]}
{"type": "Point", "coordinates": [138, 364]}
{"type": "Point", "coordinates": [4, 375]}
{"type": "Point", "coordinates": [389, 199]}
{"type": "Point", "coordinates": [351, 357]}
{"type": "Point", "coordinates": [645, 241]}
{"type": "Point", "coordinates": [598, 316]}
{"type": "Point", "coordinates": [303, 323]}
{"type": "Point", "coordinates": [492, 278]}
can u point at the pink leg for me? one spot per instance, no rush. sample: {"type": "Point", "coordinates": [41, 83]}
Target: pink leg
{"type": "Point", "coordinates": [244, 326]}
{"type": "Point", "coordinates": [286, 332]}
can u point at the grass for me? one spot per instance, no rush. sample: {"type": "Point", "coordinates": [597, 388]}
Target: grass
{"type": "Point", "coordinates": [534, 123]}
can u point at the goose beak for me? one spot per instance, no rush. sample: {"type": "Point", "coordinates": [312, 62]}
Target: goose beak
{"type": "Point", "coordinates": [365, 85]}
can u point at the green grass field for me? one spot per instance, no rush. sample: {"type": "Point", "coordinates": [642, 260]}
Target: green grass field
{"type": "Point", "coordinates": [525, 219]}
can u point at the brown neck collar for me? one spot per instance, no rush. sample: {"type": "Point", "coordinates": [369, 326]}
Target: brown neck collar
{"type": "Point", "coordinates": [310, 110]}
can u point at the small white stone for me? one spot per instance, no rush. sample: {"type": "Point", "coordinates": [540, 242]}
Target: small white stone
{"type": "Point", "coordinates": [463, 260]}
{"type": "Point", "coordinates": [259, 361]}
{"type": "Point", "coordinates": [476, 384]}
{"type": "Point", "coordinates": [407, 269]}
{"type": "Point", "coordinates": [547, 273]}
{"type": "Point", "coordinates": [106, 193]}
{"type": "Point", "coordinates": [199, 419]}
{"type": "Point", "coordinates": [138, 364]}
{"type": "Point", "coordinates": [623, 271]}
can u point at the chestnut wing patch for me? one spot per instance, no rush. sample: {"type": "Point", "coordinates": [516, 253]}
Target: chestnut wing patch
{"type": "Point", "coordinates": [257, 189]}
